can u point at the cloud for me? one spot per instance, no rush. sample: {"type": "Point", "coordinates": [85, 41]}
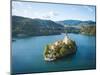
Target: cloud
{"type": "Point", "coordinates": [53, 14]}
{"type": "Point", "coordinates": [50, 15]}
{"type": "Point", "coordinates": [90, 8]}
{"type": "Point", "coordinates": [47, 17]}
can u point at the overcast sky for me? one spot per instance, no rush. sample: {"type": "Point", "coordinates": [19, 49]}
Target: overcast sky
{"type": "Point", "coordinates": [55, 12]}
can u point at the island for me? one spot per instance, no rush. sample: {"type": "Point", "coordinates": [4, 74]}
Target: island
{"type": "Point", "coordinates": [59, 49]}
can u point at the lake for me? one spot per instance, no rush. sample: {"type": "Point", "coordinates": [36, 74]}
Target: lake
{"type": "Point", "coordinates": [27, 54]}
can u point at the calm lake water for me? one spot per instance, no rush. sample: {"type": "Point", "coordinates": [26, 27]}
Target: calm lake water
{"type": "Point", "coordinates": [27, 54]}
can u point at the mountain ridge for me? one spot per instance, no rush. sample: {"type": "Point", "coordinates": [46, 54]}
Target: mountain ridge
{"type": "Point", "coordinates": [27, 26]}
{"type": "Point", "coordinates": [76, 22]}
{"type": "Point", "coordinates": [22, 26]}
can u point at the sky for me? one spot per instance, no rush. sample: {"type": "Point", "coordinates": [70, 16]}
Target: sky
{"type": "Point", "coordinates": [55, 12]}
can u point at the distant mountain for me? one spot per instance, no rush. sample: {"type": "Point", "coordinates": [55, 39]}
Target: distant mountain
{"type": "Point", "coordinates": [25, 27]}
{"type": "Point", "coordinates": [76, 22]}
{"type": "Point", "coordinates": [22, 26]}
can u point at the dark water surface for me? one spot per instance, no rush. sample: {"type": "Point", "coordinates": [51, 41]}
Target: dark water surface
{"type": "Point", "coordinates": [27, 54]}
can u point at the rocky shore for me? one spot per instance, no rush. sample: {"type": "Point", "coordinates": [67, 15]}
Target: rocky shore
{"type": "Point", "coordinates": [59, 49]}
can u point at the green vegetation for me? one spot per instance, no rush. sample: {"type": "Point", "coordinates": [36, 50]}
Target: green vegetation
{"type": "Point", "coordinates": [88, 30]}
{"type": "Point", "coordinates": [58, 50]}
{"type": "Point", "coordinates": [84, 29]}
{"type": "Point", "coordinates": [72, 29]}
{"type": "Point", "coordinates": [25, 27]}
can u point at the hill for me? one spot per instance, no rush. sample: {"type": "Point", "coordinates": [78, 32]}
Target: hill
{"type": "Point", "coordinates": [76, 22]}
{"type": "Point", "coordinates": [22, 26]}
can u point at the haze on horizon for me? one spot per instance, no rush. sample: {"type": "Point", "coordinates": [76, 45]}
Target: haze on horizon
{"type": "Point", "coordinates": [55, 12]}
